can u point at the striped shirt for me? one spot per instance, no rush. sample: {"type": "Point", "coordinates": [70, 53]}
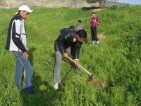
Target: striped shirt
{"type": "Point", "coordinates": [95, 22]}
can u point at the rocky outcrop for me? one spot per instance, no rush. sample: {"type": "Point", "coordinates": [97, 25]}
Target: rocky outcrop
{"type": "Point", "coordinates": [45, 3]}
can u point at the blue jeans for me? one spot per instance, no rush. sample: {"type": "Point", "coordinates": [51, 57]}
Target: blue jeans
{"type": "Point", "coordinates": [21, 64]}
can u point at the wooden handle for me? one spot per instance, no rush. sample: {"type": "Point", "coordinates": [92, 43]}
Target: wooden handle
{"type": "Point", "coordinates": [78, 65]}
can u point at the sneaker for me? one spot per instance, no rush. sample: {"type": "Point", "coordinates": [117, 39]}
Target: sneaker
{"type": "Point", "coordinates": [56, 86]}
{"type": "Point", "coordinates": [97, 42]}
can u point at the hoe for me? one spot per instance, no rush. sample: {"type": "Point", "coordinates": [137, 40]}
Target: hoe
{"type": "Point", "coordinates": [90, 78]}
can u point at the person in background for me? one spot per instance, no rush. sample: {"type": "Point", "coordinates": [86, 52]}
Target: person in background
{"type": "Point", "coordinates": [16, 43]}
{"type": "Point", "coordinates": [94, 26]}
{"type": "Point", "coordinates": [67, 44]}
{"type": "Point", "coordinates": [79, 25]}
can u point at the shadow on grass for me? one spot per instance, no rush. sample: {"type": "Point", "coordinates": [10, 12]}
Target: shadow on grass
{"type": "Point", "coordinates": [44, 94]}
{"type": "Point", "coordinates": [89, 8]}
{"type": "Point", "coordinates": [31, 50]}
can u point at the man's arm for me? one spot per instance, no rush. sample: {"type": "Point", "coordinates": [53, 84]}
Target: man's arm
{"type": "Point", "coordinates": [61, 45]}
{"type": "Point", "coordinates": [76, 50]}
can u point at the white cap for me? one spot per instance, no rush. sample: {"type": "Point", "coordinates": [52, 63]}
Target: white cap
{"type": "Point", "coordinates": [25, 8]}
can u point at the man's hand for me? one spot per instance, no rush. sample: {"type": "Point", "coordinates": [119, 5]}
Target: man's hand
{"type": "Point", "coordinates": [25, 55]}
{"type": "Point", "coordinates": [66, 55]}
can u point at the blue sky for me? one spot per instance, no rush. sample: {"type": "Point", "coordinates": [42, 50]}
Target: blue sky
{"type": "Point", "coordinates": [130, 1]}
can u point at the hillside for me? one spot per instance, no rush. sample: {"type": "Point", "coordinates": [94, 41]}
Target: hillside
{"type": "Point", "coordinates": [44, 3]}
{"type": "Point", "coordinates": [115, 62]}
{"type": "Point", "coordinates": [53, 3]}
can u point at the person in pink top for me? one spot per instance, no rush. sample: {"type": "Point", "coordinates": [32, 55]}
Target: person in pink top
{"type": "Point", "coordinates": [94, 25]}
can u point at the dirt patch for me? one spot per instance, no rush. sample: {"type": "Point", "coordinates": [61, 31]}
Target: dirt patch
{"type": "Point", "coordinates": [101, 36]}
{"type": "Point", "coordinates": [96, 10]}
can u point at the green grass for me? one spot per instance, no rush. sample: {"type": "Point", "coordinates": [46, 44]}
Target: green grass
{"type": "Point", "coordinates": [116, 60]}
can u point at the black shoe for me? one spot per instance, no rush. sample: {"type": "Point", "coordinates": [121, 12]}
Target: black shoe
{"type": "Point", "coordinates": [28, 90]}
{"type": "Point", "coordinates": [31, 92]}
{"type": "Point", "coordinates": [25, 92]}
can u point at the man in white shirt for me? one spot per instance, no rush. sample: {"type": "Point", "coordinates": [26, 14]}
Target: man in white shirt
{"type": "Point", "coordinates": [16, 43]}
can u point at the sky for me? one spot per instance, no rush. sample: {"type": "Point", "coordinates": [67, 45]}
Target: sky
{"type": "Point", "coordinates": [130, 1]}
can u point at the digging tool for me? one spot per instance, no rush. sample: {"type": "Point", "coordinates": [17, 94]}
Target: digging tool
{"type": "Point", "coordinates": [64, 78]}
{"type": "Point", "coordinates": [99, 84]}
{"type": "Point", "coordinates": [81, 67]}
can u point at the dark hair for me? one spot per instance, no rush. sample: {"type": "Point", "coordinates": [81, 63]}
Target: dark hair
{"type": "Point", "coordinates": [71, 27]}
{"type": "Point", "coordinates": [93, 12]}
{"type": "Point", "coordinates": [82, 33]}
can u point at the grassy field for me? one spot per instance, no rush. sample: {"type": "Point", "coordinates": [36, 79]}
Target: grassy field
{"type": "Point", "coordinates": [116, 60]}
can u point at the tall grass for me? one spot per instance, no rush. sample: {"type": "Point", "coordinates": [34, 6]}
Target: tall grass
{"type": "Point", "coordinates": [116, 60]}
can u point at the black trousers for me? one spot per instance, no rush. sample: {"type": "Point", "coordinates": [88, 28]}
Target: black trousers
{"type": "Point", "coordinates": [94, 34]}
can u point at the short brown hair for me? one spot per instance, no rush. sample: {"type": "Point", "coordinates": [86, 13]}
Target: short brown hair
{"type": "Point", "coordinates": [93, 12]}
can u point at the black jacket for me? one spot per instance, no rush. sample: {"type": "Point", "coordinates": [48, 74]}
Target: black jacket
{"type": "Point", "coordinates": [16, 39]}
{"type": "Point", "coordinates": [65, 40]}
